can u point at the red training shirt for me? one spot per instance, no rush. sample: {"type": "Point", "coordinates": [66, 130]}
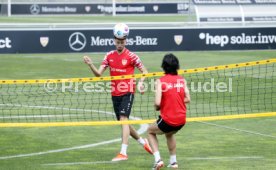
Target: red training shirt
{"type": "Point", "coordinates": [120, 65]}
{"type": "Point", "coordinates": [172, 107]}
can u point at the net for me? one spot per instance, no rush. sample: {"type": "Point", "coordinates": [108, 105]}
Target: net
{"type": "Point", "coordinates": [215, 91]}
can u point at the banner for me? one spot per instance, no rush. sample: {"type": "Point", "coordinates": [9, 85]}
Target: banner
{"type": "Point", "coordinates": [233, 2]}
{"type": "Point", "coordinates": [220, 19]}
{"type": "Point", "coordinates": [80, 9]}
{"type": "Point", "coordinates": [260, 18]}
{"type": "Point", "coordinates": [70, 41]}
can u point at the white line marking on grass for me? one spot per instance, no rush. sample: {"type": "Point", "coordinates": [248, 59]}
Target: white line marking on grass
{"type": "Point", "coordinates": [225, 158]}
{"type": "Point", "coordinates": [49, 107]}
{"type": "Point", "coordinates": [56, 108]}
{"type": "Point", "coordinates": [240, 130]}
{"type": "Point", "coordinates": [35, 116]}
{"type": "Point", "coordinates": [79, 163]}
{"type": "Point", "coordinates": [61, 150]}
{"type": "Point", "coordinates": [143, 128]}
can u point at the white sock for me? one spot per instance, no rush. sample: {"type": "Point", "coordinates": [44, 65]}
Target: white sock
{"type": "Point", "coordinates": [124, 149]}
{"type": "Point", "coordinates": [172, 159]}
{"type": "Point", "coordinates": [141, 141]}
{"type": "Point", "coordinates": [157, 156]}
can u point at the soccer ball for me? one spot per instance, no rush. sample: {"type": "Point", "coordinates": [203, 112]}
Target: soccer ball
{"type": "Point", "coordinates": [121, 31]}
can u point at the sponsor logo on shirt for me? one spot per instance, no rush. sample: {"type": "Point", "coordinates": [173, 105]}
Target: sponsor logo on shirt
{"type": "Point", "coordinates": [124, 61]}
{"type": "Point", "coordinates": [118, 70]}
{"type": "Point", "coordinates": [176, 85]}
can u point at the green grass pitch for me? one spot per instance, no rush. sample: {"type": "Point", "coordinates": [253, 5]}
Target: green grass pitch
{"type": "Point", "coordinates": [229, 144]}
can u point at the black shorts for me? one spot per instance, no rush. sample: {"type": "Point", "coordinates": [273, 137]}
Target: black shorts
{"type": "Point", "coordinates": [122, 104]}
{"type": "Point", "coordinates": [166, 128]}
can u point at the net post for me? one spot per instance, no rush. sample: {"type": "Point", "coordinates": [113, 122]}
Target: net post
{"type": "Point", "coordinates": [9, 8]}
{"type": "Point", "coordinates": [113, 7]}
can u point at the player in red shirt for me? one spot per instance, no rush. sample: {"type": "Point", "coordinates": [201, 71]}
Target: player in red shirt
{"type": "Point", "coordinates": [122, 62]}
{"type": "Point", "coordinates": [171, 97]}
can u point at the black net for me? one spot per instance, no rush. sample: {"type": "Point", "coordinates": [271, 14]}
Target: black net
{"type": "Point", "coordinates": [239, 90]}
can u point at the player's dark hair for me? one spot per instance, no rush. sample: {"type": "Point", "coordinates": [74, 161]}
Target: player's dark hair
{"type": "Point", "coordinates": [170, 64]}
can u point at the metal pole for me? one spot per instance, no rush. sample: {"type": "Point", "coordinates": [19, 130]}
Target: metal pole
{"type": "Point", "coordinates": [114, 7]}
{"type": "Point", "coordinates": [9, 8]}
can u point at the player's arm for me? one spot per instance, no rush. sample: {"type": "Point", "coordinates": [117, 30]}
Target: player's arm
{"type": "Point", "coordinates": [97, 72]}
{"type": "Point", "coordinates": [138, 64]}
{"type": "Point", "coordinates": [143, 70]}
{"type": "Point", "coordinates": [158, 94]}
{"type": "Point", "coordinates": [187, 98]}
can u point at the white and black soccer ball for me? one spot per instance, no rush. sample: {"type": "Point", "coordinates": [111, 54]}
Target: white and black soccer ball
{"type": "Point", "coordinates": [121, 31]}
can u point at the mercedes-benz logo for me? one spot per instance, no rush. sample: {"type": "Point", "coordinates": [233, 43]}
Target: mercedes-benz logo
{"type": "Point", "coordinates": [77, 41]}
{"type": "Point", "coordinates": [35, 9]}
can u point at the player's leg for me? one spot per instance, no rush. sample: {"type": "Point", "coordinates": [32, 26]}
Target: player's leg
{"type": "Point", "coordinates": [171, 143]}
{"type": "Point", "coordinates": [133, 133]}
{"type": "Point", "coordinates": [154, 130]}
{"type": "Point", "coordinates": [126, 105]}
{"type": "Point", "coordinates": [143, 141]}
{"type": "Point", "coordinates": [117, 100]}
{"type": "Point", "coordinates": [125, 130]}
{"type": "Point", "coordinates": [125, 109]}
{"type": "Point", "coordinates": [125, 135]}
